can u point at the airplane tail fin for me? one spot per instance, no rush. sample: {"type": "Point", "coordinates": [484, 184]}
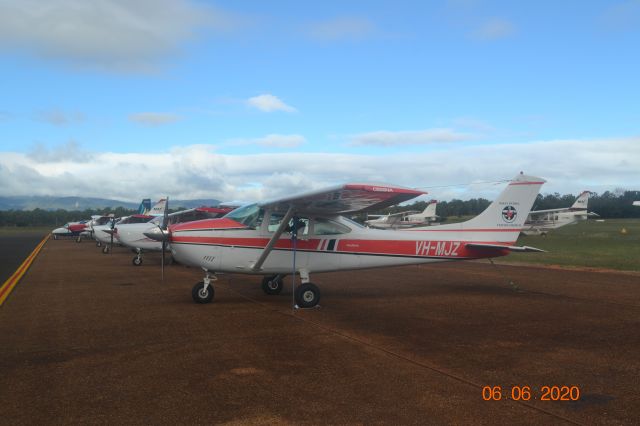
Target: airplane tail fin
{"type": "Point", "coordinates": [159, 208]}
{"type": "Point", "coordinates": [505, 217]}
{"type": "Point", "coordinates": [145, 206]}
{"type": "Point", "coordinates": [581, 201]}
{"type": "Point", "coordinates": [430, 211]}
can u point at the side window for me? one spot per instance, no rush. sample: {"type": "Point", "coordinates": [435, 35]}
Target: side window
{"type": "Point", "coordinates": [328, 227]}
{"type": "Point", "coordinates": [276, 218]}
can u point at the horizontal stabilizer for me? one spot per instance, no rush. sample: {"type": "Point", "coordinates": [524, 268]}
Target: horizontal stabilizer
{"type": "Point", "coordinates": [501, 247]}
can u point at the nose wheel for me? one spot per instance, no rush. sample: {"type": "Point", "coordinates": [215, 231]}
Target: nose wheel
{"type": "Point", "coordinates": [272, 284]}
{"type": "Point", "coordinates": [137, 261]}
{"type": "Point", "coordinates": [203, 291]}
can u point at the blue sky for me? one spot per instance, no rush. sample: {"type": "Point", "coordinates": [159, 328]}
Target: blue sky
{"type": "Point", "coordinates": [257, 99]}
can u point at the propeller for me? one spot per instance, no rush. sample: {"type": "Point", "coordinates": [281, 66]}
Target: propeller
{"type": "Point", "coordinates": [294, 240]}
{"type": "Point", "coordinates": [165, 225]}
{"type": "Point", "coordinates": [113, 225]}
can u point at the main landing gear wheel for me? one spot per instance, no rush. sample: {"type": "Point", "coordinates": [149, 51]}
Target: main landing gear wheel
{"type": "Point", "coordinates": [202, 295]}
{"type": "Point", "coordinates": [307, 295]}
{"type": "Point", "coordinates": [137, 261]}
{"type": "Point", "coordinates": [105, 249]}
{"type": "Point", "coordinates": [98, 244]}
{"type": "Point", "coordinates": [272, 284]}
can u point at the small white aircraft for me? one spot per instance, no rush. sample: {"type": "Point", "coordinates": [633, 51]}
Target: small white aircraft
{"type": "Point", "coordinates": [540, 222]}
{"type": "Point", "coordinates": [406, 219]}
{"type": "Point", "coordinates": [132, 235]}
{"type": "Point", "coordinates": [307, 234]}
{"type": "Point", "coordinates": [104, 234]}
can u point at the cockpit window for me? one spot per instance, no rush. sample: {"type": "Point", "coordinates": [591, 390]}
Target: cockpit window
{"type": "Point", "coordinates": [352, 222]}
{"type": "Point", "coordinates": [250, 215]}
{"type": "Point", "coordinates": [329, 227]}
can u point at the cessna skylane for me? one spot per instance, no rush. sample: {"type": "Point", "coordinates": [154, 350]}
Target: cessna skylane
{"type": "Point", "coordinates": [408, 219]}
{"type": "Point", "coordinates": [300, 235]}
{"type": "Point", "coordinates": [540, 222]}
{"type": "Point", "coordinates": [132, 235]}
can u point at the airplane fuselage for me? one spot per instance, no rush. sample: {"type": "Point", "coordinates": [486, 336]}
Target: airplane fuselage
{"type": "Point", "coordinates": [223, 245]}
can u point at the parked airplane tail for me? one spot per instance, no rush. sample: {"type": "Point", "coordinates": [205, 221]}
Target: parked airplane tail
{"type": "Point", "coordinates": [506, 215]}
{"type": "Point", "coordinates": [430, 211]}
{"type": "Point", "coordinates": [581, 201]}
{"type": "Point", "coordinates": [145, 206]}
{"type": "Point", "coordinates": [159, 208]}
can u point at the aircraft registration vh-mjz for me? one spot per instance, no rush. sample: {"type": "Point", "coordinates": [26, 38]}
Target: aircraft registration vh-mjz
{"type": "Point", "coordinates": [304, 234]}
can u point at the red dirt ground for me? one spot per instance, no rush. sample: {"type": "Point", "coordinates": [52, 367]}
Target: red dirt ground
{"type": "Point", "coordinates": [89, 338]}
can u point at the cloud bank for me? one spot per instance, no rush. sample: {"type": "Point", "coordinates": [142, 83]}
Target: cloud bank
{"type": "Point", "coordinates": [197, 171]}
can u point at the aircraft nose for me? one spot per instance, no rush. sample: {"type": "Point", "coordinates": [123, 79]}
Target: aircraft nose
{"type": "Point", "coordinates": [157, 234]}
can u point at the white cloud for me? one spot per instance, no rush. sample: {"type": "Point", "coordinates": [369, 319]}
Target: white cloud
{"type": "Point", "coordinates": [197, 171]}
{"type": "Point", "coordinates": [419, 137]}
{"type": "Point", "coordinates": [70, 151]}
{"type": "Point", "coordinates": [495, 29]}
{"type": "Point", "coordinates": [269, 103]}
{"type": "Point", "coordinates": [60, 118]}
{"type": "Point", "coordinates": [154, 118]}
{"type": "Point", "coordinates": [272, 141]}
{"type": "Point", "coordinates": [342, 28]}
{"type": "Point", "coordinates": [112, 35]}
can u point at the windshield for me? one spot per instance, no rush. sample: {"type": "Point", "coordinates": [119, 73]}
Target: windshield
{"type": "Point", "coordinates": [352, 222]}
{"type": "Point", "coordinates": [250, 215]}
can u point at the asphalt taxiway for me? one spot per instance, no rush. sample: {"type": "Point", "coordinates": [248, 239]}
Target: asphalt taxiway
{"type": "Point", "coordinates": [89, 338]}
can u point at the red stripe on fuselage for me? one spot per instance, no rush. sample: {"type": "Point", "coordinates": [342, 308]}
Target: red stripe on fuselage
{"type": "Point", "coordinates": [410, 248]}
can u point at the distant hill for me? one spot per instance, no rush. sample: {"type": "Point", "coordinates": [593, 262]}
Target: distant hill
{"type": "Point", "coordinates": [84, 203]}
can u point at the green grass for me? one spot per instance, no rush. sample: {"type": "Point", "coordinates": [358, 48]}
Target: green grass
{"type": "Point", "coordinates": [590, 244]}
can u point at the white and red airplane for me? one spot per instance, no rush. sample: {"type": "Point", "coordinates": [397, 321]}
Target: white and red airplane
{"type": "Point", "coordinates": [103, 233]}
{"type": "Point", "coordinates": [132, 235]}
{"type": "Point", "coordinates": [540, 222]}
{"type": "Point", "coordinates": [306, 234]}
{"type": "Point", "coordinates": [408, 219]}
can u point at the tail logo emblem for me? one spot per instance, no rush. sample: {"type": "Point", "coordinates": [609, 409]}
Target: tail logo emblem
{"type": "Point", "coordinates": [509, 214]}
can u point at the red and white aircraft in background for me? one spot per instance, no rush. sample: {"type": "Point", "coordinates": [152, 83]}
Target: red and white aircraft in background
{"type": "Point", "coordinates": [408, 219]}
{"type": "Point", "coordinates": [540, 222]}
{"type": "Point", "coordinates": [306, 234]}
{"type": "Point", "coordinates": [103, 232]}
{"type": "Point", "coordinates": [132, 235]}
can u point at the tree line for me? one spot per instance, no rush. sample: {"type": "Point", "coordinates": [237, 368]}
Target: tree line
{"type": "Point", "coordinates": [609, 205]}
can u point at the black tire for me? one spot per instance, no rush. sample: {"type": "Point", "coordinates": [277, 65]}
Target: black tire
{"type": "Point", "coordinates": [199, 296]}
{"type": "Point", "coordinates": [98, 243]}
{"type": "Point", "coordinates": [307, 295]}
{"type": "Point", "coordinates": [137, 261]}
{"type": "Point", "coordinates": [106, 249]}
{"type": "Point", "coordinates": [272, 284]}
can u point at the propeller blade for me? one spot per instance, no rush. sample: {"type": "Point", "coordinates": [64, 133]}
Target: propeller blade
{"type": "Point", "coordinates": [113, 225]}
{"type": "Point", "coordinates": [165, 225]}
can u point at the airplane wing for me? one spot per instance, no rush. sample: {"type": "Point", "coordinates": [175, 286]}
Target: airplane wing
{"type": "Point", "coordinates": [343, 199]}
{"type": "Point", "coordinates": [483, 246]}
{"type": "Point", "coordinates": [197, 213]}
{"type": "Point", "coordinates": [348, 198]}
{"type": "Point", "coordinates": [535, 212]}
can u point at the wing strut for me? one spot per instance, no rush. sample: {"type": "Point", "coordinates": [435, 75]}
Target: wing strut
{"type": "Point", "coordinates": [273, 240]}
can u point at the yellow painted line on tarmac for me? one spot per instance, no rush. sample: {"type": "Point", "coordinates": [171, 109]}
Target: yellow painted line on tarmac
{"type": "Point", "coordinates": [13, 280]}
